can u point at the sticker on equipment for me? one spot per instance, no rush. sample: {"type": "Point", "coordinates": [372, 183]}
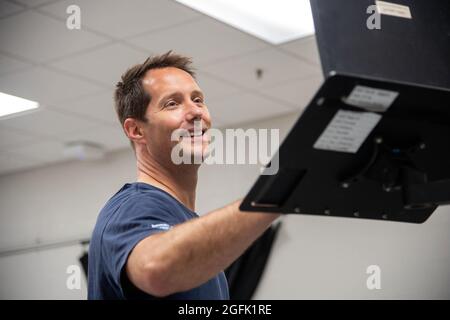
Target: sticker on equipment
{"type": "Point", "coordinates": [371, 99]}
{"type": "Point", "coordinates": [393, 9]}
{"type": "Point", "coordinates": [347, 131]}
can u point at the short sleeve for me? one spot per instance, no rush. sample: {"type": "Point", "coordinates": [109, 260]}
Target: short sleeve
{"type": "Point", "coordinates": [137, 218]}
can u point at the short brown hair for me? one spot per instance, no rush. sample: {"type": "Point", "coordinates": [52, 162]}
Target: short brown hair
{"type": "Point", "coordinates": [130, 97]}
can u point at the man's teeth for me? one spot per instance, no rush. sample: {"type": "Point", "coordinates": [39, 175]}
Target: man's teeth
{"type": "Point", "coordinates": [196, 134]}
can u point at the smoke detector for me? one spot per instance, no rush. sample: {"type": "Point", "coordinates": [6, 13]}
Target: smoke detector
{"type": "Point", "coordinates": [83, 150]}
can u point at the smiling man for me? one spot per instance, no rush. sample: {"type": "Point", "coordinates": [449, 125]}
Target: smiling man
{"type": "Point", "coordinates": [148, 241]}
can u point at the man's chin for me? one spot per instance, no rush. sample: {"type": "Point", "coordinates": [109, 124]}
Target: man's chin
{"type": "Point", "coordinates": [198, 156]}
{"type": "Point", "coordinates": [194, 154]}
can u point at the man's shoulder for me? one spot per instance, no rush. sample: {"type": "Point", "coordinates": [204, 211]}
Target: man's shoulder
{"type": "Point", "coordinates": [132, 206]}
{"type": "Point", "coordinates": [133, 196]}
{"type": "Point", "coordinates": [138, 199]}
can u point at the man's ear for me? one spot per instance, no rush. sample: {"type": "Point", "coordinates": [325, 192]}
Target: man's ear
{"type": "Point", "coordinates": [133, 130]}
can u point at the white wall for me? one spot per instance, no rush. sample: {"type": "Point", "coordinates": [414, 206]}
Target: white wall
{"type": "Point", "coordinates": [313, 257]}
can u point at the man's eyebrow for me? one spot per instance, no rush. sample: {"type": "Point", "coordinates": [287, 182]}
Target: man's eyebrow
{"type": "Point", "coordinates": [168, 96]}
{"type": "Point", "coordinates": [197, 93]}
{"type": "Point", "coordinates": [179, 94]}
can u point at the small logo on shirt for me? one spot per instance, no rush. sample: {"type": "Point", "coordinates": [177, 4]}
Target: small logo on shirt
{"type": "Point", "coordinates": [161, 226]}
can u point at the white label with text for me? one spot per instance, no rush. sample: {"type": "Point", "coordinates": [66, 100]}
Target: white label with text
{"type": "Point", "coordinates": [393, 9]}
{"type": "Point", "coordinates": [371, 99]}
{"type": "Point", "coordinates": [347, 131]}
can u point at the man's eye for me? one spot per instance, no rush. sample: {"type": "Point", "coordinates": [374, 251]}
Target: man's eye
{"type": "Point", "coordinates": [198, 100]}
{"type": "Point", "coordinates": [170, 104]}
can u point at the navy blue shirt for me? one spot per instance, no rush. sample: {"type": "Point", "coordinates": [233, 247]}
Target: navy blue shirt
{"type": "Point", "coordinates": [135, 212]}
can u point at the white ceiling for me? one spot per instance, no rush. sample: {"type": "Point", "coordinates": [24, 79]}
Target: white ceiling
{"type": "Point", "coordinates": [72, 73]}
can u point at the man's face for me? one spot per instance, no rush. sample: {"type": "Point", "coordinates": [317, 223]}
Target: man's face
{"type": "Point", "coordinates": [177, 103]}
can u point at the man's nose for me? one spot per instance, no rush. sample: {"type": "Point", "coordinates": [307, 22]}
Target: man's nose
{"type": "Point", "coordinates": [194, 112]}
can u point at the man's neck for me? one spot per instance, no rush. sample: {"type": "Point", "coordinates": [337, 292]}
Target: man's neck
{"type": "Point", "coordinates": [180, 181]}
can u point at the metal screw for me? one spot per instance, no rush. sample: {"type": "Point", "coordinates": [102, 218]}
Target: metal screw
{"type": "Point", "coordinates": [327, 212]}
{"type": "Point", "coordinates": [356, 214]}
{"type": "Point", "coordinates": [384, 216]}
{"type": "Point", "coordinates": [320, 101]}
{"type": "Point", "coordinates": [345, 185]}
{"type": "Point", "coordinates": [297, 210]}
{"type": "Point", "coordinates": [422, 146]}
{"type": "Point", "coordinates": [378, 140]}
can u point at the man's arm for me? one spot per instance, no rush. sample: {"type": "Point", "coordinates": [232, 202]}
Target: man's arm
{"type": "Point", "coordinates": [193, 252]}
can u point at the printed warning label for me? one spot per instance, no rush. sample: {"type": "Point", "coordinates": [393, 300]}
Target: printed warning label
{"type": "Point", "coordinates": [371, 99]}
{"type": "Point", "coordinates": [347, 131]}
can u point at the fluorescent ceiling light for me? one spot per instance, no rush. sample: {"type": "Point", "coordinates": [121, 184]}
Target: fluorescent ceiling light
{"type": "Point", "coordinates": [275, 21]}
{"type": "Point", "coordinates": [11, 104]}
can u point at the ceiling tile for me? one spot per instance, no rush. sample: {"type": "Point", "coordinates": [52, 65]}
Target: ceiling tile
{"type": "Point", "coordinates": [8, 64]}
{"type": "Point", "coordinates": [40, 38]}
{"type": "Point", "coordinates": [205, 40]}
{"type": "Point", "coordinates": [305, 48]}
{"type": "Point", "coordinates": [97, 106]}
{"type": "Point", "coordinates": [244, 107]}
{"type": "Point", "coordinates": [14, 162]}
{"type": "Point", "coordinates": [13, 137]}
{"type": "Point", "coordinates": [214, 88]}
{"type": "Point", "coordinates": [45, 86]}
{"type": "Point", "coordinates": [7, 8]}
{"type": "Point", "coordinates": [276, 66]}
{"type": "Point", "coordinates": [109, 136]}
{"type": "Point", "coordinates": [49, 123]}
{"type": "Point", "coordinates": [119, 18]}
{"type": "Point", "coordinates": [34, 3]}
{"type": "Point", "coordinates": [45, 151]}
{"type": "Point", "coordinates": [48, 151]}
{"type": "Point", "coordinates": [298, 93]}
{"type": "Point", "coordinates": [104, 64]}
